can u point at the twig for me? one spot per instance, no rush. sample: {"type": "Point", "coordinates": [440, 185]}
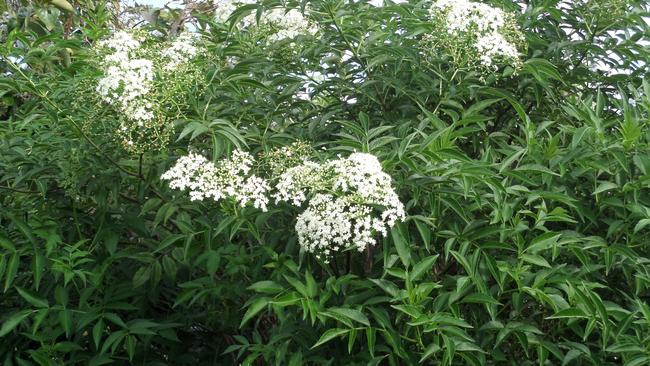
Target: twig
{"type": "Point", "coordinates": [356, 56]}
{"type": "Point", "coordinates": [72, 121]}
{"type": "Point", "coordinates": [19, 190]}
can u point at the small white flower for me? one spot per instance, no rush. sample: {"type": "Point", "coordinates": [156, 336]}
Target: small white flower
{"type": "Point", "coordinates": [127, 83]}
{"type": "Point", "coordinates": [229, 178]}
{"type": "Point", "coordinates": [342, 212]}
{"type": "Point", "coordinates": [481, 25]}
{"type": "Point", "coordinates": [225, 8]}
{"type": "Point", "coordinates": [287, 24]}
{"type": "Point", "coordinates": [127, 79]}
{"type": "Point", "coordinates": [281, 24]}
{"type": "Point", "coordinates": [182, 49]}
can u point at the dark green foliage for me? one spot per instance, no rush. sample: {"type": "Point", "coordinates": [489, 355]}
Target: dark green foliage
{"type": "Point", "coordinates": [527, 240]}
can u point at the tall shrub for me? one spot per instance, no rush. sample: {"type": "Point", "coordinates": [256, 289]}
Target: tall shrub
{"type": "Point", "coordinates": [325, 183]}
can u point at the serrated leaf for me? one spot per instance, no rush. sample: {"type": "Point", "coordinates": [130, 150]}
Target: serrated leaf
{"type": "Point", "coordinates": [605, 186]}
{"type": "Point", "coordinates": [641, 224]}
{"type": "Point", "coordinates": [568, 313]}
{"type": "Point", "coordinates": [255, 307]}
{"type": "Point", "coordinates": [536, 260]}
{"type": "Point", "coordinates": [141, 276]}
{"type": "Point", "coordinates": [353, 314]}
{"type": "Point", "coordinates": [32, 298]}
{"type": "Point", "coordinates": [401, 245]}
{"type": "Point", "coordinates": [422, 267]}
{"type": "Point", "coordinates": [65, 320]}
{"type": "Point", "coordinates": [63, 4]}
{"type": "Point", "coordinates": [268, 287]}
{"type": "Point", "coordinates": [13, 322]}
{"type": "Point", "coordinates": [329, 335]}
{"type": "Point", "coordinates": [480, 298]}
{"type": "Point", "coordinates": [11, 270]}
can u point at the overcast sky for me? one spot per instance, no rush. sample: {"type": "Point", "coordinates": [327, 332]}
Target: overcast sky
{"type": "Point", "coordinates": [157, 3]}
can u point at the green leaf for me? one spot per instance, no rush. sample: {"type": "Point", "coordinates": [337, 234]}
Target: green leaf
{"type": "Point", "coordinates": [353, 314]}
{"type": "Point", "coordinates": [6, 243]}
{"type": "Point", "coordinates": [32, 298]}
{"type": "Point", "coordinates": [169, 241]}
{"type": "Point", "coordinates": [268, 287]}
{"type": "Point", "coordinates": [536, 260]}
{"type": "Point", "coordinates": [401, 245]}
{"type": "Point", "coordinates": [65, 319]}
{"type": "Point", "coordinates": [432, 349]}
{"type": "Point", "coordinates": [23, 227]}
{"type": "Point", "coordinates": [130, 346]}
{"type": "Point", "coordinates": [371, 338]}
{"type": "Point", "coordinates": [329, 335]}
{"type": "Point", "coordinates": [568, 313]}
{"type": "Point", "coordinates": [312, 286]}
{"type": "Point", "coordinates": [641, 224]}
{"type": "Point", "coordinates": [38, 262]}
{"type": "Point", "coordinates": [302, 289]}
{"type": "Point", "coordinates": [578, 135]}
{"type": "Point", "coordinates": [423, 266]}
{"type": "Point", "coordinates": [141, 276]}
{"type": "Point", "coordinates": [63, 4]}
{"type": "Point", "coordinates": [255, 307]}
{"type": "Point", "coordinates": [98, 329]}
{"type": "Point", "coordinates": [38, 319]}
{"type": "Point", "coordinates": [12, 270]}
{"type": "Point", "coordinates": [605, 186]}
{"type": "Point", "coordinates": [543, 242]}
{"type": "Point", "coordinates": [113, 340]}
{"type": "Point", "coordinates": [13, 322]}
{"type": "Point", "coordinates": [480, 298]}
{"type": "Point", "coordinates": [352, 336]}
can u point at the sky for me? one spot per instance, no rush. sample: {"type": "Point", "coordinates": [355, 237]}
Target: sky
{"type": "Point", "coordinates": [156, 3]}
{"type": "Point", "coordinates": [160, 3]}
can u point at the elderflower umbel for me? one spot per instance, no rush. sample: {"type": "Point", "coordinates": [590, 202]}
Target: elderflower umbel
{"type": "Point", "coordinates": [228, 179]}
{"type": "Point", "coordinates": [281, 159]}
{"type": "Point", "coordinates": [295, 183]}
{"type": "Point", "coordinates": [126, 84]}
{"type": "Point", "coordinates": [225, 8]}
{"type": "Point", "coordinates": [362, 175]}
{"type": "Point", "coordinates": [137, 79]}
{"type": "Point", "coordinates": [331, 224]}
{"type": "Point", "coordinates": [352, 202]}
{"type": "Point", "coordinates": [491, 33]}
{"type": "Point", "coordinates": [278, 23]}
{"type": "Point", "coordinates": [287, 24]}
{"type": "Point", "coordinates": [180, 51]}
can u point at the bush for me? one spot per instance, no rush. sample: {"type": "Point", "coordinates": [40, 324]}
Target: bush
{"type": "Point", "coordinates": [365, 189]}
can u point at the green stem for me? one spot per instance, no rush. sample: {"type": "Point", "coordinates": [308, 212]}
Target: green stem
{"type": "Point", "coordinates": [80, 130]}
{"type": "Point", "coordinates": [72, 121]}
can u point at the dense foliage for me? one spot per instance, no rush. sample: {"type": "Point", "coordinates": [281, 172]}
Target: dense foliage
{"type": "Point", "coordinates": [524, 176]}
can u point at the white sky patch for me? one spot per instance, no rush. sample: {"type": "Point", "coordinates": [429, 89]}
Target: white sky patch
{"type": "Point", "coordinates": [155, 3]}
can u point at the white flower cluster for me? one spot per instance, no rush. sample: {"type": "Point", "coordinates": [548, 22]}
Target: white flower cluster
{"type": "Point", "coordinates": [342, 212]}
{"type": "Point", "coordinates": [181, 50]}
{"type": "Point", "coordinates": [225, 8]}
{"type": "Point", "coordinates": [287, 24]}
{"type": "Point", "coordinates": [489, 30]}
{"type": "Point", "coordinates": [229, 178]}
{"type": "Point", "coordinates": [330, 224]}
{"type": "Point", "coordinates": [278, 22]}
{"type": "Point", "coordinates": [295, 183]}
{"type": "Point", "coordinates": [127, 78]}
{"type": "Point", "coordinates": [350, 200]}
{"type": "Point", "coordinates": [362, 175]}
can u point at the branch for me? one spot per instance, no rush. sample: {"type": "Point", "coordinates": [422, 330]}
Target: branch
{"type": "Point", "coordinates": [19, 190]}
{"type": "Point", "coordinates": [68, 118]}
